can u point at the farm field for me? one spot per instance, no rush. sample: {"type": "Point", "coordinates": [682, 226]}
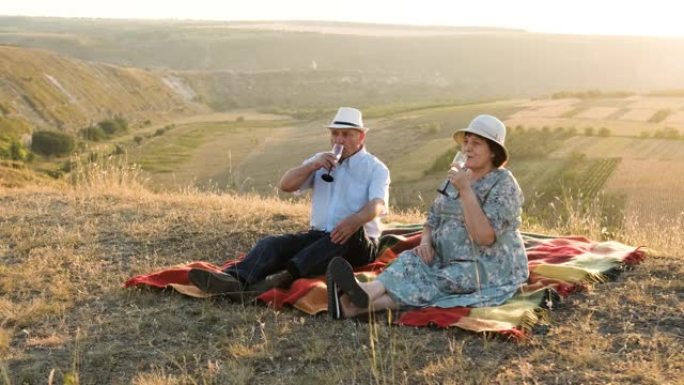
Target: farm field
{"type": "Point", "coordinates": [631, 116]}
{"type": "Point", "coordinates": [626, 148]}
{"type": "Point", "coordinates": [653, 189]}
{"type": "Point", "coordinates": [251, 155]}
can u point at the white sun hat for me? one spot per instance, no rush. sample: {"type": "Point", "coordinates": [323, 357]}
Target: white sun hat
{"type": "Point", "coordinates": [348, 117]}
{"type": "Point", "coordinates": [488, 127]}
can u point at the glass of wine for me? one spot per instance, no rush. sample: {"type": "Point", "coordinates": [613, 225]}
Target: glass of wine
{"type": "Point", "coordinates": [337, 151]}
{"type": "Point", "coordinates": [459, 160]}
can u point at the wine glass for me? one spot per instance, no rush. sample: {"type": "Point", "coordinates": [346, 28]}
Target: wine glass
{"type": "Point", "coordinates": [460, 161]}
{"type": "Point", "coordinates": [337, 151]}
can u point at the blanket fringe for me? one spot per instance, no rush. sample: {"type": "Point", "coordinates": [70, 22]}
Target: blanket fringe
{"type": "Point", "coordinates": [538, 319]}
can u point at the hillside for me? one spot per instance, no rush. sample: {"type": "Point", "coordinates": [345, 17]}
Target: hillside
{"type": "Point", "coordinates": [64, 315]}
{"type": "Point", "coordinates": [41, 89]}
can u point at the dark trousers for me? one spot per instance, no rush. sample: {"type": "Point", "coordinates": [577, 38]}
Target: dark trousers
{"type": "Point", "coordinates": [304, 254]}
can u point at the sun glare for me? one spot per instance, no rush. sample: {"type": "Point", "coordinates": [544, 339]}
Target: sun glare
{"type": "Point", "coordinates": [652, 18]}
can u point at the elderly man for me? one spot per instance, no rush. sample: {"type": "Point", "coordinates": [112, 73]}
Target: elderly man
{"type": "Point", "coordinates": [348, 198]}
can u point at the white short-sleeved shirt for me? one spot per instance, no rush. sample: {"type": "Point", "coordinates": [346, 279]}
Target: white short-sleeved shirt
{"type": "Point", "coordinates": [358, 180]}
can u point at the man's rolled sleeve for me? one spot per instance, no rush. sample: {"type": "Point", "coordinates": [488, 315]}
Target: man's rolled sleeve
{"type": "Point", "coordinates": [379, 187]}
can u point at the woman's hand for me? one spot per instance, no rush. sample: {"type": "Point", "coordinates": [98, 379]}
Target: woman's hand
{"type": "Point", "coordinates": [425, 252]}
{"type": "Point", "coordinates": [459, 178]}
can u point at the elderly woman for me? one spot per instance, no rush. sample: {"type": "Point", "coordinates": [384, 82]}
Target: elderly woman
{"type": "Point", "coordinates": [471, 252]}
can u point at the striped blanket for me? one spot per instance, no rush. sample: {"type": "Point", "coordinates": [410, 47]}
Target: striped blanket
{"type": "Point", "coordinates": [558, 266]}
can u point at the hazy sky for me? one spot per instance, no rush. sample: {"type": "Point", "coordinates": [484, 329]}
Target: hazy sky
{"type": "Point", "coordinates": [638, 17]}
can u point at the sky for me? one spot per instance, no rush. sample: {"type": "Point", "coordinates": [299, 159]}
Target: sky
{"type": "Point", "coordinates": [597, 17]}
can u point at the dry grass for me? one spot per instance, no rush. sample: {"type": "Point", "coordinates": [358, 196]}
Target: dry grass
{"type": "Point", "coordinates": [65, 318]}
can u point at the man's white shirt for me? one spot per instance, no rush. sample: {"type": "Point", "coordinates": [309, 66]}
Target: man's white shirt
{"type": "Point", "coordinates": [358, 180]}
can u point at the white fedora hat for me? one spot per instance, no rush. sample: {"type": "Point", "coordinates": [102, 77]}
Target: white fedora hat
{"type": "Point", "coordinates": [348, 117]}
{"type": "Point", "coordinates": [488, 127]}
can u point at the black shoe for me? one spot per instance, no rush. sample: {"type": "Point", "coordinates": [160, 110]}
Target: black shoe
{"type": "Point", "coordinates": [342, 275]}
{"type": "Point", "coordinates": [334, 307]}
{"type": "Point", "coordinates": [281, 280]}
{"type": "Point", "coordinates": [214, 282]}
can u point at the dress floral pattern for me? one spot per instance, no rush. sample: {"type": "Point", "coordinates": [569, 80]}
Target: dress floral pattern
{"type": "Point", "coordinates": [463, 273]}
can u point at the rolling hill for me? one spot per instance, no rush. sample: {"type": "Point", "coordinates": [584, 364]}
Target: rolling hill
{"type": "Point", "coordinates": [41, 89]}
{"type": "Point", "coordinates": [314, 65]}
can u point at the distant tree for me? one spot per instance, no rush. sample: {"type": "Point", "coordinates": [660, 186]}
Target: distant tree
{"type": "Point", "coordinates": [603, 131]}
{"type": "Point", "coordinates": [670, 133]}
{"type": "Point", "coordinates": [658, 134]}
{"type": "Point", "coordinates": [589, 131]}
{"type": "Point", "coordinates": [644, 134]}
{"type": "Point", "coordinates": [240, 119]}
{"type": "Point", "coordinates": [108, 126]}
{"type": "Point", "coordinates": [659, 116]}
{"type": "Point", "coordinates": [52, 143]}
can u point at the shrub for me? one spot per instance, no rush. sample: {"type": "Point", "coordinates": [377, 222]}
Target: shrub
{"type": "Point", "coordinates": [17, 151]}
{"type": "Point", "coordinates": [14, 151]}
{"type": "Point", "coordinates": [49, 143]}
{"type": "Point", "coordinates": [114, 126]}
{"type": "Point", "coordinates": [589, 131]}
{"type": "Point", "coordinates": [138, 139]}
{"type": "Point", "coordinates": [94, 133]}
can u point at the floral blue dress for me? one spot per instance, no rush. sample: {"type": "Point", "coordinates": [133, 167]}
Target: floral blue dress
{"type": "Point", "coordinates": [463, 273]}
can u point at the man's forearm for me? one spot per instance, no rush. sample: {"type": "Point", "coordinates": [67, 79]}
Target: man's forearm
{"type": "Point", "coordinates": [295, 177]}
{"type": "Point", "coordinates": [369, 211]}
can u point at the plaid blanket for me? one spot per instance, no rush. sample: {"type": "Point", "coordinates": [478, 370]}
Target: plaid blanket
{"type": "Point", "coordinates": [558, 267]}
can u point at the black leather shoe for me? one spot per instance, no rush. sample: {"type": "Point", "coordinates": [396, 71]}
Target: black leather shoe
{"type": "Point", "coordinates": [214, 282]}
{"type": "Point", "coordinates": [281, 280]}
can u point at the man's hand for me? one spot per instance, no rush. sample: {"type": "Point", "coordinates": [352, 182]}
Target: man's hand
{"type": "Point", "coordinates": [425, 252]}
{"type": "Point", "coordinates": [326, 160]}
{"type": "Point", "coordinates": [294, 177]}
{"type": "Point", "coordinates": [345, 229]}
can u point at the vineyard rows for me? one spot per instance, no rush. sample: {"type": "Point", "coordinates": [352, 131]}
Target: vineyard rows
{"type": "Point", "coordinates": [596, 175]}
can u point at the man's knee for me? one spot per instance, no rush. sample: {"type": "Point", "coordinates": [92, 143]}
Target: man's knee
{"type": "Point", "coordinates": [266, 242]}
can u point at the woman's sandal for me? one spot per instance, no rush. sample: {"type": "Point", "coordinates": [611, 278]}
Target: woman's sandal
{"type": "Point", "coordinates": [334, 306]}
{"type": "Point", "coordinates": [341, 274]}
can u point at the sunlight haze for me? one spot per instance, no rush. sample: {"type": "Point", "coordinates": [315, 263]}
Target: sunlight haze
{"type": "Point", "coordinates": [652, 18]}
